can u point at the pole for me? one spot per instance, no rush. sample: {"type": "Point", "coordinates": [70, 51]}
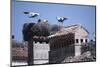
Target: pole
{"type": "Point", "coordinates": [30, 52]}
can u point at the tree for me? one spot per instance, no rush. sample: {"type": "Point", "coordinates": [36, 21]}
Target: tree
{"type": "Point", "coordinates": [55, 28]}
{"type": "Point", "coordinates": [27, 31]}
{"type": "Point", "coordinates": [44, 29]}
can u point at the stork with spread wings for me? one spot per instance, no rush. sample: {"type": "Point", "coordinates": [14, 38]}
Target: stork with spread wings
{"type": "Point", "coordinates": [61, 19]}
{"type": "Point", "coordinates": [32, 14]}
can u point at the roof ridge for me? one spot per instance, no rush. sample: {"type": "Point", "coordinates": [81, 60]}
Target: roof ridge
{"type": "Point", "coordinates": [77, 25]}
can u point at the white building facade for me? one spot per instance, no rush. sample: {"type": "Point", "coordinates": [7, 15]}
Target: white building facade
{"type": "Point", "coordinates": [81, 36]}
{"type": "Point", "coordinates": [41, 52]}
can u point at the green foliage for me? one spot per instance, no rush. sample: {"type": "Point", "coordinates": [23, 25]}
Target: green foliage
{"type": "Point", "coordinates": [54, 28]}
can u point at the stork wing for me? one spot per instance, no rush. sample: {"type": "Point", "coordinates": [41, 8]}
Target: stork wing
{"type": "Point", "coordinates": [65, 18]}
{"type": "Point", "coordinates": [26, 12]}
{"type": "Point", "coordinates": [32, 14]}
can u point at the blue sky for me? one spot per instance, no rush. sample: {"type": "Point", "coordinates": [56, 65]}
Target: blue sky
{"type": "Point", "coordinates": [76, 14]}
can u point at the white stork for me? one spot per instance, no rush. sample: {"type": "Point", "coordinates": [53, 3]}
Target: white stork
{"type": "Point", "coordinates": [32, 14]}
{"type": "Point", "coordinates": [61, 19]}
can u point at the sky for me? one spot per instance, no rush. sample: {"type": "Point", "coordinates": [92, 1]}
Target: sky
{"type": "Point", "coordinates": [76, 14]}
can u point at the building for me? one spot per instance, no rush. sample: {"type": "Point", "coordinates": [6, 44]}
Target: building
{"type": "Point", "coordinates": [54, 48]}
{"type": "Point", "coordinates": [80, 36]}
{"type": "Point", "coordinates": [40, 49]}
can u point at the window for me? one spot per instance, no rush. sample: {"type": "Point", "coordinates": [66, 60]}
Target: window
{"type": "Point", "coordinates": [86, 40]}
{"type": "Point", "coordinates": [81, 40]}
{"type": "Point", "coordinates": [76, 40]}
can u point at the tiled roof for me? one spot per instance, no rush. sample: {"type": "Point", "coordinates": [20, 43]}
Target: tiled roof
{"type": "Point", "coordinates": [77, 25]}
{"type": "Point", "coordinates": [68, 29]}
